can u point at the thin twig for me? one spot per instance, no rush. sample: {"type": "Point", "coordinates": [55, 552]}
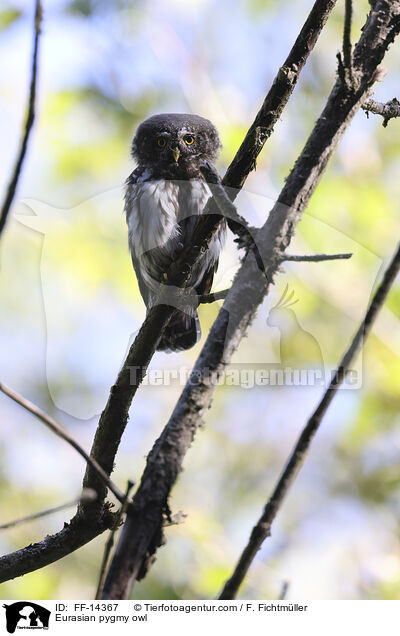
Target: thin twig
{"type": "Point", "coordinates": [176, 519]}
{"type": "Point", "coordinates": [56, 428]}
{"type": "Point", "coordinates": [284, 590]}
{"type": "Point", "coordinates": [262, 529]}
{"type": "Point", "coordinates": [110, 542]}
{"type": "Point", "coordinates": [30, 117]}
{"type": "Point", "coordinates": [278, 96]}
{"type": "Point", "coordinates": [388, 111]}
{"type": "Point", "coordinates": [237, 223]}
{"type": "Point", "coordinates": [211, 298]}
{"type": "Point", "coordinates": [347, 48]}
{"type": "Point", "coordinates": [315, 258]}
{"type": "Point", "coordinates": [87, 495]}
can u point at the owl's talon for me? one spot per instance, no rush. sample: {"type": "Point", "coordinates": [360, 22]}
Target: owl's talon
{"type": "Point", "coordinates": [247, 240]}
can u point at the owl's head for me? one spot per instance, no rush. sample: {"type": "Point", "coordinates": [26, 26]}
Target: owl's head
{"type": "Point", "coordinates": [174, 139]}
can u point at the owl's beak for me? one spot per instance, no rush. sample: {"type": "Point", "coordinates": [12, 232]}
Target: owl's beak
{"type": "Point", "coordinates": [175, 153]}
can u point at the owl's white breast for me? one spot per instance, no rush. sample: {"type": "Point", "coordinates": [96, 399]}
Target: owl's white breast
{"type": "Point", "coordinates": [153, 211]}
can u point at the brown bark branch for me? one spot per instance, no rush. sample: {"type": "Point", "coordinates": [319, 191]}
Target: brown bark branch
{"type": "Point", "coordinates": [262, 529]}
{"type": "Point", "coordinates": [142, 532]}
{"type": "Point", "coordinates": [30, 118]}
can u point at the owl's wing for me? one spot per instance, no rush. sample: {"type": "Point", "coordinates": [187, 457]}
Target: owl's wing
{"type": "Point", "coordinates": [151, 206]}
{"type": "Point", "coordinates": [144, 290]}
{"type": "Point", "coordinates": [193, 198]}
{"type": "Point", "coordinates": [139, 175]}
{"type": "Point", "coordinates": [204, 287]}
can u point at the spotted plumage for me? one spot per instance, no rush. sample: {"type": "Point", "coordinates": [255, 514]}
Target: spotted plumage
{"type": "Point", "coordinates": [164, 196]}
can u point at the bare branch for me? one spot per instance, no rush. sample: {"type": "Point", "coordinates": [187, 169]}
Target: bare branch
{"type": "Point", "coordinates": [347, 48]}
{"type": "Point", "coordinates": [284, 590]}
{"type": "Point", "coordinates": [236, 222]}
{"type": "Point", "coordinates": [115, 415]}
{"type": "Point", "coordinates": [56, 428]}
{"type": "Point", "coordinates": [142, 533]}
{"type": "Point", "coordinates": [228, 210]}
{"type": "Point", "coordinates": [388, 111]}
{"type": "Point", "coordinates": [114, 418]}
{"type": "Point", "coordinates": [316, 258]}
{"type": "Point", "coordinates": [80, 530]}
{"type": "Point", "coordinates": [176, 519]}
{"type": "Point", "coordinates": [262, 529]}
{"type": "Point", "coordinates": [278, 95]}
{"type": "Point", "coordinates": [86, 495]}
{"type": "Point", "coordinates": [247, 235]}
{"type": "Point", "coordinates": [211, 298]}
{"type": "Point", "coordinates": [110, 541]}
{"type": "Point", "coordinates": [30, 118]}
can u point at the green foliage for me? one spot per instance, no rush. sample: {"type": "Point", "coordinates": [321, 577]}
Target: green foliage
{"type": "Point", "coordinates": [8, 16]}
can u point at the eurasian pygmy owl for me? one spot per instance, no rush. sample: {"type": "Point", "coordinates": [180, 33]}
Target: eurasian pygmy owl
{"type": "Point", "coordinates": [164, 196]}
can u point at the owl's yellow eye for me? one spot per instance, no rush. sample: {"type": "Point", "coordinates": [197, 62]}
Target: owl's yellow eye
{"type": "Point", "coordinates": [161, 142]}
{"type": "Point", "coordinates": [189, 140]}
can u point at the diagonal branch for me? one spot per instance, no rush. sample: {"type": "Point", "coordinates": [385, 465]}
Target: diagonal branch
{"type": "Point", "coordinates": [262, 529]}
{"type": "Point", "coordinates": [30, 118]}
{"type": "Point", "coordinates": [278, 95]}
{"type": "Point", "coordinates": [88, 495]}
{"type": "Point", "coordinates": [56, 428]}
{"type": "Point", "coordinates": [115, 415]}
{"type": "Point", "coordinates": [142, 533]}
{"type": "Point", "coordinates": [79, 531]}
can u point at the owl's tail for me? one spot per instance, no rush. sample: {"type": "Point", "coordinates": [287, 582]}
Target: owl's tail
{"type": "Point", "coordinates": [182, 332]}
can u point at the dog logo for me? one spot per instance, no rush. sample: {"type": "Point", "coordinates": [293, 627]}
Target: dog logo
{"type": "Point", "coordinates": [26, 615]}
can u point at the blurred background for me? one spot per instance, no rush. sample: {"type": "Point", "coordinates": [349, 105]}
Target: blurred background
{"type": "Point", "coordinates": [70, 302]}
